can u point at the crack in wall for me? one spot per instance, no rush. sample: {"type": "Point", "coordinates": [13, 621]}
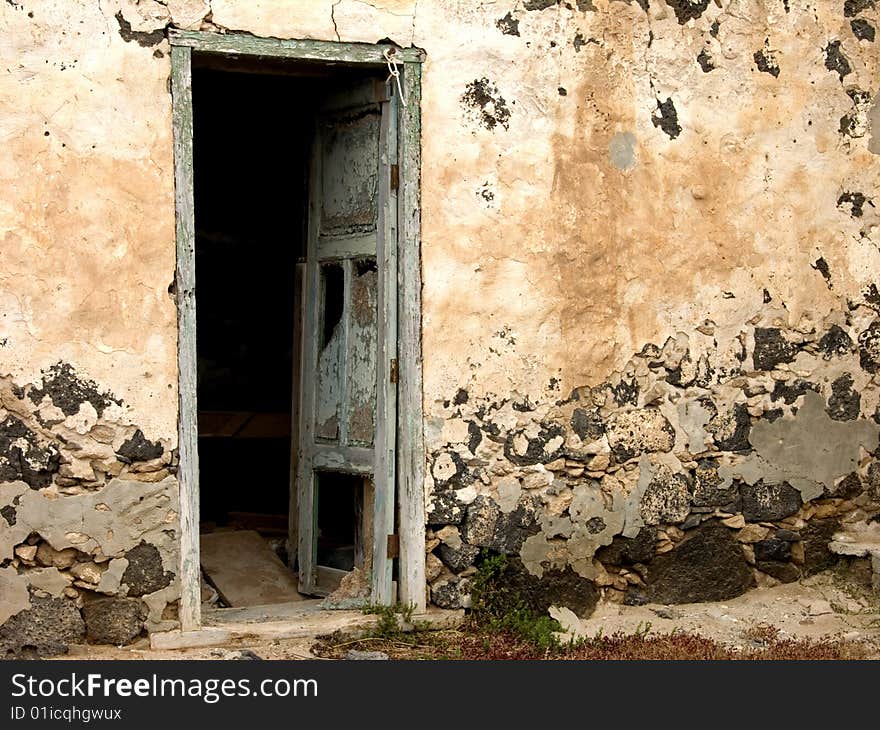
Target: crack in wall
{"type": "Point", "coordinates": [415, 11]}
{"type": "Point", "coordinates": [333, 18]}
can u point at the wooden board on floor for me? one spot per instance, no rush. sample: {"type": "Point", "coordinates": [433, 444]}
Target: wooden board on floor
{"type": "Point", "coordinates": [274, 525]}
{"type": "Point", "coordinates": [245, 571]}
{"type": "Point", "coordinates": [240, 424]}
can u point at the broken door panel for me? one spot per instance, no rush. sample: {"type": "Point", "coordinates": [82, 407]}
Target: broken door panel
{"type": "Point", "coordinates": [344, 521]}
{"type": "Point", "coordinates": [330, 374]}
{"type": "Point", "coordinates": [363, 525]}
{"type": "Point", "coordinates": [360, 401]}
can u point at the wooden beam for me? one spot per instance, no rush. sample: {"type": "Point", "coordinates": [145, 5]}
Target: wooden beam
{"type": "Point", "coordinates": [185, 284]}
{"type": "Point", "coordinates": [293, 501]}
{"type": "Point", "coordinates": [341, 247]}
{"type": "Point", "coordinates": [240, 44]}
{"type": "Point", "coordinates": [305, 479]}
{"type": "Point", "coordinates": [343, 459]}
{"type": "Point", "coordinates": [410, 434]}
{"type": "Point", "coordinates": [328, 579]}
{"type": "Point", "coordinates": [384, 478]}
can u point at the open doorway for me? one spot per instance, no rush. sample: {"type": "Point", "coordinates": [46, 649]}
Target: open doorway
{"type": "Point", "coordinates": [250, 158]}
{"type": "Point", "coordinates": [287, 222]}
{"type": "Point", "coordinates": [296, 182]}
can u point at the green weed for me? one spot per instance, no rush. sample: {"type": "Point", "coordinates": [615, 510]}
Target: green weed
{"type": "Point", "coordinates": [498, 609]}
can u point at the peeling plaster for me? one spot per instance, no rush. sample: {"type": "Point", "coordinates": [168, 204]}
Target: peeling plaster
{"type": "Point", "coordinates": [14, 592]}
{"type": "Point", "coordinates": [112, 577]}
{"type": "Point", "coordinates": [693, 418]}
{"type": "Point", "coordinates": [50, 580]}
{"type": "Point", "coordinates": [622, 150]}
{"type": "Point", "coordinates": [188, 14]}
{"type": "Point", "coordinates": [509, 491]}
{"type": "Point", "coordinates": [102, 524]}
{"type": "Point", "coordinates": [874, 124]}
{"type": "Point", "coordinates": [812, 448]}
{"type": "Point", "coordinates": [158, 600]}
{"type": "Point", "coordinates": [137, 512]}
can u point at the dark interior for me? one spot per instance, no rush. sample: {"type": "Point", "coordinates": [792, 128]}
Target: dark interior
{"type": "Point", "coordinates": [251, 136]}
{"type": "Point", "coordinates": [340, 504]}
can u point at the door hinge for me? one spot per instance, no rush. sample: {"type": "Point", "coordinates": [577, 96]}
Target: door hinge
{"type": "Point", "coordinates": [381, 91]}
{"type": "Point", "coordinates": [393, 370]}
{"type": "Point", "coordinates": [395, 177]}
{"type": "Point", "coordinates": [393, 550]}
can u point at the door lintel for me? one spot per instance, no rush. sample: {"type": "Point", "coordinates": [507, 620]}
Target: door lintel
{"type": "Point", "coordinates": [241, 44]}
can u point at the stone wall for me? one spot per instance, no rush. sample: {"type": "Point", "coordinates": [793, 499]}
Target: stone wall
{"type": "Point", "coordinates": [597, 175]}
{"type": "Point", "coordinates": [693, 475]}
{"type": "Point", "coordinates": [89, 529]}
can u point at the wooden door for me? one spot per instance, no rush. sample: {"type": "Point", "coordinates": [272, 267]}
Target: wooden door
{"type": "Point", "coordinates": [349, 339]}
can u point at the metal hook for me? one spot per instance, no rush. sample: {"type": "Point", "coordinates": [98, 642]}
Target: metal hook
{"type": "Point", "coordinates": [388, 55]}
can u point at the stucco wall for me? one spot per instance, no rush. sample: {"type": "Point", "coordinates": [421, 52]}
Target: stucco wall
{"type": "Point", "coordinates": [597, 178]}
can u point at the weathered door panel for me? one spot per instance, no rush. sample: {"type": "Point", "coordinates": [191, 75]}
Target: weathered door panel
{"type": "Point", "coordinates": [348, 406]}
{"type": "Point", "coordinates": [363, 335]}
{"type": "Point", "coordinates": [350, 185]}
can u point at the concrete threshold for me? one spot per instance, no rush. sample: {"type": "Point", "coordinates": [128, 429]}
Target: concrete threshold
{"type": "Point", "coordinates": [287, 621]}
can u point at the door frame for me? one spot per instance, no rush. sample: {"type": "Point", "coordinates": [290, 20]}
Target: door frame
{"type": "Point", "coordinates": [410, 469]}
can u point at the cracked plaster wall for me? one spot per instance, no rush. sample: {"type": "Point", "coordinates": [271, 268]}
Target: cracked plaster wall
{"type": "Point", "coordinates": [604, 184]}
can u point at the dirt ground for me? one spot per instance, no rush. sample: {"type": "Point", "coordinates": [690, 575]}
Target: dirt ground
{"type": "Point", "coordinates": [824, 606]}
{"type": "Point", "coordinates": [818, 607]}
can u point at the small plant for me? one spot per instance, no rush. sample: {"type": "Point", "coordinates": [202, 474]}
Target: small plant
{"type": "Point", "coordinates": [498, 608]}
{"type": "Point", "coordinates": [390, 618]}
{"type": "Point", "coordinates": [762, 633]}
